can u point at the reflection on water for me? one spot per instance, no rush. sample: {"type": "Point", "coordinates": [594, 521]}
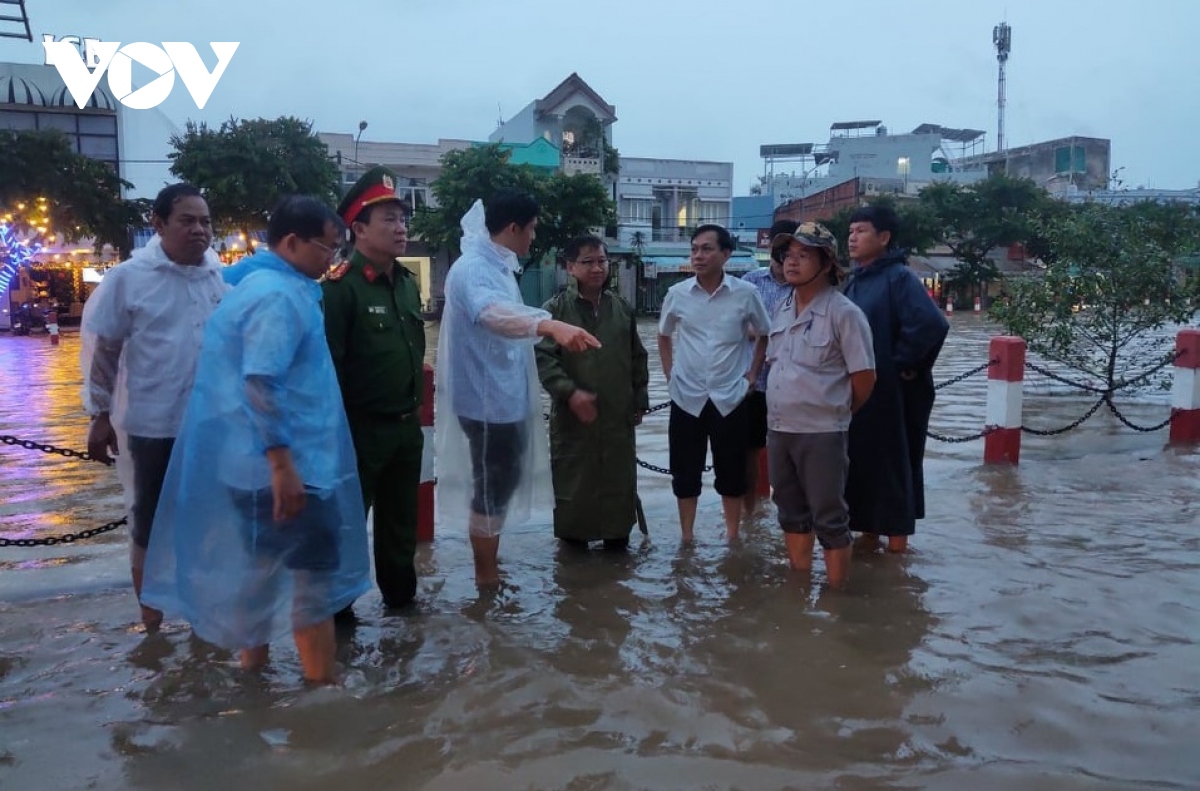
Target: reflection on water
{"type": "Point", "coordinates": [1043, 635]}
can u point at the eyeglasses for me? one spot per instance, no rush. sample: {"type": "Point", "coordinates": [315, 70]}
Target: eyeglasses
{"type": "Point", "coordinates": [592, 263]}
{"type": "Point", "coordinates": [330, 252]}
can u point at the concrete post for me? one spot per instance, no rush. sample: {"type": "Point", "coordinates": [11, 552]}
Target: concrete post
{"type": "Point", "coordinates": [1002, 445]}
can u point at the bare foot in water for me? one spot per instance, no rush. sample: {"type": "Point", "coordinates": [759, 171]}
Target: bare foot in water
{"type": "Point", "coordinates": [867, 544]}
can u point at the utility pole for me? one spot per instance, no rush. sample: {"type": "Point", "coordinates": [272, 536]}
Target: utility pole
{"type": "Point", "coordinates": [1002, 38]}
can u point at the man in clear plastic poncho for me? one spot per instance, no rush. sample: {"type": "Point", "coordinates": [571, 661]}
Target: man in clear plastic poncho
{"type": "Point", "coordinates": [141, 334]}
{"type": "Point", "coordinates": [259, 529]}
{"type": "Point", "coordinates": [493, 463]}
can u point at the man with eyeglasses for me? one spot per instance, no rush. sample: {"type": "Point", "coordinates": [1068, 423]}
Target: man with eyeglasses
{"type": "Point", "coordinates": [598, 399]}
{"type": "Point", "coordinates": [259, 529]}
{"type": "Point", "coordinates": [377, 339]}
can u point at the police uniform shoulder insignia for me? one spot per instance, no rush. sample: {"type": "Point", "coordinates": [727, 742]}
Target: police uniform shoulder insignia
{"type": "Point", "coordinates": [338, 272]}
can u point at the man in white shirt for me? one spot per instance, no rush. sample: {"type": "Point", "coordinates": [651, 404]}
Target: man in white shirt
{"type": "Point", "coordinates": [142, 329]}
{"type": "Point", "coordinates": [702, 332]}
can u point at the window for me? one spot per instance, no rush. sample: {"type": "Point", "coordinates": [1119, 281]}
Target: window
{"type": "Point", "coordinates": [63, 123]}
{"type": "Point", "coordinates": [636, 210]}
{"type": "Point", "coordinates": [98, 147]}
{"type": "Point", "coordinates": [98, 124]}
{"type": "Point", "coordinates": [1070, 159]}
{"type": "Point", "coordinates": [714, 212]}
{"type": "Point", "coordinates": [17, 120]}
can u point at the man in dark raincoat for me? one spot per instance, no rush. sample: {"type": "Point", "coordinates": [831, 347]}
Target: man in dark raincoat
{"type": "Point", "coordinates": [599, 397]}
{"type": "Point", "coordinates": [886, 485]}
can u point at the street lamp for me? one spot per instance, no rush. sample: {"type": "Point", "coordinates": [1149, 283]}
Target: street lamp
{"type": "Point", "coordinates": [362, 126]}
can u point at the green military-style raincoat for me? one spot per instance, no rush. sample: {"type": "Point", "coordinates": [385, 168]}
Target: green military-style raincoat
{"type": "Point", "coordinates": [595, 465]}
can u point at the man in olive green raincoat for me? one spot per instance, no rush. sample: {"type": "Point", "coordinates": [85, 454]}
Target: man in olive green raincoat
{"type": "Point", "coordinates": [377, 340]}
{"type": "Point", "coordinates": [599, 398]}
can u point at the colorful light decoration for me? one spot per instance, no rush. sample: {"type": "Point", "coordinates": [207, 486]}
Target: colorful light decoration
{"type": "Point", "coordinates": [21, 238]}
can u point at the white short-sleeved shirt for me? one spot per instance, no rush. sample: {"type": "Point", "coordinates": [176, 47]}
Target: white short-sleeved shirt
{"type": "Point", "coordinates": [710, 355]}
{"type": "Point", "coordinates": [812, 356]}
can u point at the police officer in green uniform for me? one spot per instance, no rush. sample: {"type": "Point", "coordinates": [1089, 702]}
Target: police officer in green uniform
{"type": "Point", "coordinates": [377, 340]}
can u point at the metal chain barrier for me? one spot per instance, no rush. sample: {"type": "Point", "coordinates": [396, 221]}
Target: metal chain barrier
{"type": "Point", "coordinates": [966, 375]}
{"type": "Point", "coordinates": [958, 440]}
{"type": "Point", "coordinates": [1143, 429]}
{"type": "Point", "coordinates": [1046, 372]}
{"type": "Point", "coordinates": [29, 444]}
{"type": "Point", "coordinates": [1168, 360]}
{"type": "Point", "coordinates": [1069, 427]}
{"type": "Point", "coordinates": [69, 538]}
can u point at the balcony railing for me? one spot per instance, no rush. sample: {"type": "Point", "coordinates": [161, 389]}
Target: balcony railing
{"type": "Point", "coordinates": [675, 234]}
{"type": "Point", "coordinates": [573, 165]}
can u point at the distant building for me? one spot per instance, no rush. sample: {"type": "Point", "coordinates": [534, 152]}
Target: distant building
{"type": "Point", "coordinates": [35, 98]}
{"type": "Point", "coordinates": [572, 117]}
{"type": "Point", "coordinates": [1060, 166]}
{"type": "Point", "coordinates": [1126, 197]}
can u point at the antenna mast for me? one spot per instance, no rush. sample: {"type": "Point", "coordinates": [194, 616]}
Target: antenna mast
{"type": "Point", "coordinates": [1002, 38]}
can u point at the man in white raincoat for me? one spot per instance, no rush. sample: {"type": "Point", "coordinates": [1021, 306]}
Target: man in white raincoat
{"type": "Point", "coordinates": [493, 461]}
{"type": "Point", "coordinates": [141, 333]}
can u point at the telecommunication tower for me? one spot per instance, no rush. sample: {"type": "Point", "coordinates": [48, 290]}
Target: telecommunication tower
{"type": "Point", "coordinates": [1002, 38]}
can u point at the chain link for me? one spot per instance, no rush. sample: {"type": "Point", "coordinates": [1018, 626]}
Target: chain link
{"type": "Point", "coordinates": [966, 375]}
{"type": "Point", "coordinates": [29, 444]}
{"type": "Point", "coordinates": [1168, 360]}
{"type": "Point", "coordinates": [1046, 372]}
{"type": "Point", "coordinates": [959, 440]}
{"type": "Point", "coordinates": [69, 538]}
{"type": "Point", "coordinates": [1143, 429]}
{"type": "Point", "coordinates": [1069, 427]}
{"type": "Point", "coordinates": [663, 470]}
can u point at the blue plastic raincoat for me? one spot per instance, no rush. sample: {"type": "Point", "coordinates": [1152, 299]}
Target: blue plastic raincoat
{"type": "Point", "coordinates": [216, 557]}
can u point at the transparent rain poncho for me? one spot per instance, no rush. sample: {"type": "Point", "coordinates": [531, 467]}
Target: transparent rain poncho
{"type": "Point", "coordinates": [486, 372]}
{"type": "Point", "coordinates": [140, 337]}
{"type": "Point", "coordinates": [216, 557]}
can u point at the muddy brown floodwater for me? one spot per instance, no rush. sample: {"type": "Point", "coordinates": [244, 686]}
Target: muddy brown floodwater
{"type": "Point", "coordinates": [1042, 635]}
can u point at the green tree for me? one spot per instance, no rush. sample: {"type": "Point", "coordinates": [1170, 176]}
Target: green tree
{"type": "Point", "coordinates": [1108, 291]}
{"type": "Point", "coordinates": [975, 219]}
{"type": "Point", "coordinates": [246, 166]}
{"type": "Point", "coordinates": [82, 195]}
{"type": "Point", "coordinates": [571, 205]}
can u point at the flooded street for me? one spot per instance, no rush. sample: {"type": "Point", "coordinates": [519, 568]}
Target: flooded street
{"type": "Point", "coordinates": [1042, 635]}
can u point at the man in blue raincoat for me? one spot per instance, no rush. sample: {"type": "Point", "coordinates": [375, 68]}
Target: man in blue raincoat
{"type": "Point", "coordinates": [260, 525]}
{"type": "Point", "coordinates": [885, 489]}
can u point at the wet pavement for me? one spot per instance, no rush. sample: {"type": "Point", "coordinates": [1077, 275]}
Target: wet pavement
{"type": "Point", "coordinates": [1042, 635]}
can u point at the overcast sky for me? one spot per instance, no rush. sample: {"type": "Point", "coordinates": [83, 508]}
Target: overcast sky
{"type": "Point", "coordinates": [690, 80]}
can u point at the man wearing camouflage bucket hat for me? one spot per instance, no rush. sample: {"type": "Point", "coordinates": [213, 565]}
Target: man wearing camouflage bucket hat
{"type": "Point", "coordinates": [822, 371]}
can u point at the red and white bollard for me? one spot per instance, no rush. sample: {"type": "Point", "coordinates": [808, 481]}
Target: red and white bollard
{"type": "Point", "coordinates": [1002, 444]}
{"type": "Point", "coordinates": [425, 488]}
{"type": "Point", "coordinates": [1185, 390]}
{"type": "Point", "coordinates": [949, 307]}
{"type": "Point", "coordinates": [978, 304]}
{"type": "Point", "coordinates": [52, 326]}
